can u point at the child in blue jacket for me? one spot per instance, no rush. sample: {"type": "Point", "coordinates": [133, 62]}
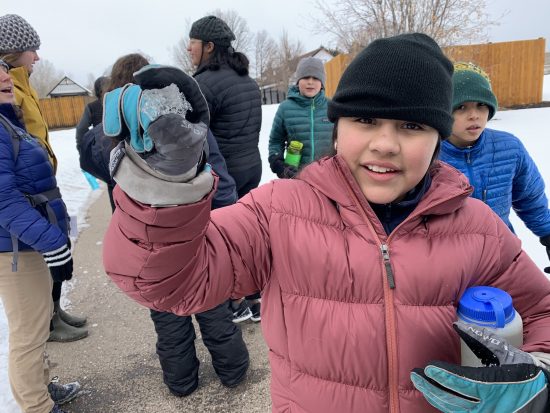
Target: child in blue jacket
{"type": "Point", "coordinates": [497, 164]}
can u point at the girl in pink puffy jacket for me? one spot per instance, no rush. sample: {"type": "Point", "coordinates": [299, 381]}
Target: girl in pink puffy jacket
{"type": "Point", "coordinates": [361, 260]}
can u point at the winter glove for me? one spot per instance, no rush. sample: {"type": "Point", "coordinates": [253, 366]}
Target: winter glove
{"type": "Point", "coordinates": [60, 263]}
{"type": "Point", "coordinates": [163, 120]}
{"type": "Point", "coordinates": [513, 381]}
{"type": "Point", "coordinates": [281, 169]}
{"type": "Point", "coordinates": [546, 242]}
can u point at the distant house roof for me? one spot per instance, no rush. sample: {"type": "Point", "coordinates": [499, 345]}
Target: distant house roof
{"type": "Point", "coordinates": [320, 53]}
{"type": "Point", "coordinates": [68, 87]}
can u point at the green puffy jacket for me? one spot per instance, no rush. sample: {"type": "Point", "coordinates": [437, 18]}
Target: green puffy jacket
{"type": "Point", "coordinates": [303, 119]}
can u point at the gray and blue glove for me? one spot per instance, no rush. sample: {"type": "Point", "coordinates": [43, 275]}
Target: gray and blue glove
{"type": "Point", "coordinates": [162, 121]}
{"type": "Point", "coordinates": [512, 381]}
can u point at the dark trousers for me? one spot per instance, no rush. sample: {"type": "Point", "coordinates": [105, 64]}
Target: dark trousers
{"type": "Point", "coordinates": [176, 348]}
{"type": "Point", "coordinates": [247, 179]}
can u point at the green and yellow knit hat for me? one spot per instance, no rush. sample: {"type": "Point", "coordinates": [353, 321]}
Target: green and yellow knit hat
{"type": "Point", "coordinates": [472, 84]}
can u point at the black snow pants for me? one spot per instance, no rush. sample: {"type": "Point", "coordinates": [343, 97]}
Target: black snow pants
{"type": "Point", "coordinates": [176, 348]}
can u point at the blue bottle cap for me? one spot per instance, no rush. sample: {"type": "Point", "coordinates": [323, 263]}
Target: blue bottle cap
{"type": "Point", "coordinates": [486, 306]}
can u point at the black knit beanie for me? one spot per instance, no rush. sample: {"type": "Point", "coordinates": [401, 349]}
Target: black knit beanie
{"type": "Point", "coordinates": [405, 77]}
{"type": "Point", "coordinates": [212, 29]}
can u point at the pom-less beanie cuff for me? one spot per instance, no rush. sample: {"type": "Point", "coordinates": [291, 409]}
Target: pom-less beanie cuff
{"type": "Point", "coordinates": [212, 29]}
{"type": "Point", "coordinates": [405, 77]}
{"type": "Point", "coordinates": [17, 35]}
{"type": "Point", "coordinates": [472, 84]}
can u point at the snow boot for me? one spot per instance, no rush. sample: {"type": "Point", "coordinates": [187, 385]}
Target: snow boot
{"type": "Point", "coordinates": [57, 409]}
{"type": "Point", "coordinates": [63, 332]}
{"type": "Point", "coordinates": [70, 319]}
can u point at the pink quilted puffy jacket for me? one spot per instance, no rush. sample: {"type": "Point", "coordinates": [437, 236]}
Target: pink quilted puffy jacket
{"type": "Point", "coordinates": [343, 334]}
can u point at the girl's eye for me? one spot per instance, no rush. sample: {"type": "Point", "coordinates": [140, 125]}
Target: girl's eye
{"type": "Point", "coordinates": [481, 104]}
{"type": "Point", "coordinates": [412, 126]}
{"type": "Point", "coordinates": [366, 121]}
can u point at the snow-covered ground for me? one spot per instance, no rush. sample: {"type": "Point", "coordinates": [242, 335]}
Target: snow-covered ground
{"type": "Point", "coordinates": [529, 125]}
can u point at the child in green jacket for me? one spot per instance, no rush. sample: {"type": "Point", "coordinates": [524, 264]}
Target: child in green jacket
{"type": "Point", "coordinates": [302, 117]}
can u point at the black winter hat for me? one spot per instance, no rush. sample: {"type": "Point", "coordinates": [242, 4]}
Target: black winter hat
{"type": "Point", "coordinates": [17, 35]}
{"type": "Point", "coordinates": [405, 77]}
{"type": "Point", "coordinates": [212, 29]}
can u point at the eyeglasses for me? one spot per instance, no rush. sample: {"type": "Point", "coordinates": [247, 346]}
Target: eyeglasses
{"type": "Point", "coordinates": [4, 66]}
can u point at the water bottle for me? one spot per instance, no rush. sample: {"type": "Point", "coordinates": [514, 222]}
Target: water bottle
{"type": "Point", "coordinates": [294, 153]}
{"type": "Point", "coordinates": [492, 309]}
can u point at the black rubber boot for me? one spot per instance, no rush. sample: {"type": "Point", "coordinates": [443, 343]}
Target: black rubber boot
{"type": "Point", "coordinates": [63, 332]}
{"type": "Point", "coordinates": [70, 319]}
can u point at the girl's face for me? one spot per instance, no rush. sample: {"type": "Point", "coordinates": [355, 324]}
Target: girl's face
{"type": "Point", "coordinates": [6, 86]}
{"type": "Point", "coordinates": [309, 86]}
{"type": "Point", "coordinates": [27, 59]}
{"type": "Point", "coordinates": [387, 157]}
{"type": "Point", "coordinates": [470, 120]}
{"type": "Point", "coordinates": [197, 52]}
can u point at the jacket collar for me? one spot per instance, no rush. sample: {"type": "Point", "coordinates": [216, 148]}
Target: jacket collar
{"type": "Point", "coordinates": [9, 112]}
{"type": "Point", "coordinates": [476, 148]}
{"type": "Point", "coordinates": [20, 76]}
{"type": "Point", "coordinates": [294, 94]}
{"type": "Point", "coordinates": [331, 176]}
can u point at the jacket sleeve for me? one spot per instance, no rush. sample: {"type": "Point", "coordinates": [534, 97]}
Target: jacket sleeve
{"type": "Point", "coordinates": [528, 197]}
{"type": "Point", "coordinates": [226, 194]}
{"type": "Point", "coordinates": [278, 135]}
{"type": "Point", "coordinates": [182, 260]}
{"type": "Point", "coordinates": [16, 214]}
{"type": "Point", "coordinates": [506, 266]}
{"type": "Point", "coordinates": [84, 123]}
{"type": "Point", "coordinates": [94, 149]}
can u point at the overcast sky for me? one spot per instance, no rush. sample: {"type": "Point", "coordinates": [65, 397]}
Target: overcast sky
{"type": "Point", "coordinates": [87, 36]}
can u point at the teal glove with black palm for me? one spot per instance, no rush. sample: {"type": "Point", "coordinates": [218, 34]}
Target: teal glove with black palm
{"type": "Point", "coordinates": [512, 381]}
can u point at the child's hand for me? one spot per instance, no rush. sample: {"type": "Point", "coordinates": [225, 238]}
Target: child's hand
{"type": "Point", "coordinates": [512, 380]}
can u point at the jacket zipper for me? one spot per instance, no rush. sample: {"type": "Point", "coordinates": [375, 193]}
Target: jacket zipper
{"type": "Point", "coordinates": [311, 118]}
{"type": "Point", "coordinates": [388, 283]}
{"type": "Point", "coordinates": [387, 265]}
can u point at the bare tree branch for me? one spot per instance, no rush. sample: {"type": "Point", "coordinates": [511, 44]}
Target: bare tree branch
{"type": "Point", "coordinates": [44, 77]}
{"type": "Point", "coordinates": [358, 22]}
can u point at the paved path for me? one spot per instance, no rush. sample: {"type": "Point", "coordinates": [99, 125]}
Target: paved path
{"type": "Point", "coordinates": [117, 364]}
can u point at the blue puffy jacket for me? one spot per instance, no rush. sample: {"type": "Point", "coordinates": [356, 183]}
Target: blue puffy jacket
{"type": "Point", "coordinates": [503, 176]}
{"type": "Point", "coordinates": [31, 173]}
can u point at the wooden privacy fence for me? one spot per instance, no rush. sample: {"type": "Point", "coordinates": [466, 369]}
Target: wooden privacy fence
{"type": "Point", "coordinates": [64, 112]}
{"type": "Point", "coordinates": [516, 69]}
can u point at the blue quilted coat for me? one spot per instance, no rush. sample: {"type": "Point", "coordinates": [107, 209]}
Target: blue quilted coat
{"type": "Point", "coordinates": [303, 119]}
{"type": "Point", "coordinates": [503, 176]}
{"type": "Point", "coordinates": [31, 173]}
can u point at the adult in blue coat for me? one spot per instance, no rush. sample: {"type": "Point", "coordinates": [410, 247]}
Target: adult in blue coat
{"type": "Point", "coordinates": [302, 117]}
{"type": "Point", "coordinates": [497, 164]}
{"type": "Point", "coordinates": [33, 243]}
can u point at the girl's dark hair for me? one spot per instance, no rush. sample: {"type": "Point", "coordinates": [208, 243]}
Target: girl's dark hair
{"type": "Point", "coordinates": [220, 55]}
{"type": "Point", "coordinates": [123, 70]}
{"type": "Point", "coordinates": [332, 151]}
{"type": "Point", "coordinates": [99, 86]}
